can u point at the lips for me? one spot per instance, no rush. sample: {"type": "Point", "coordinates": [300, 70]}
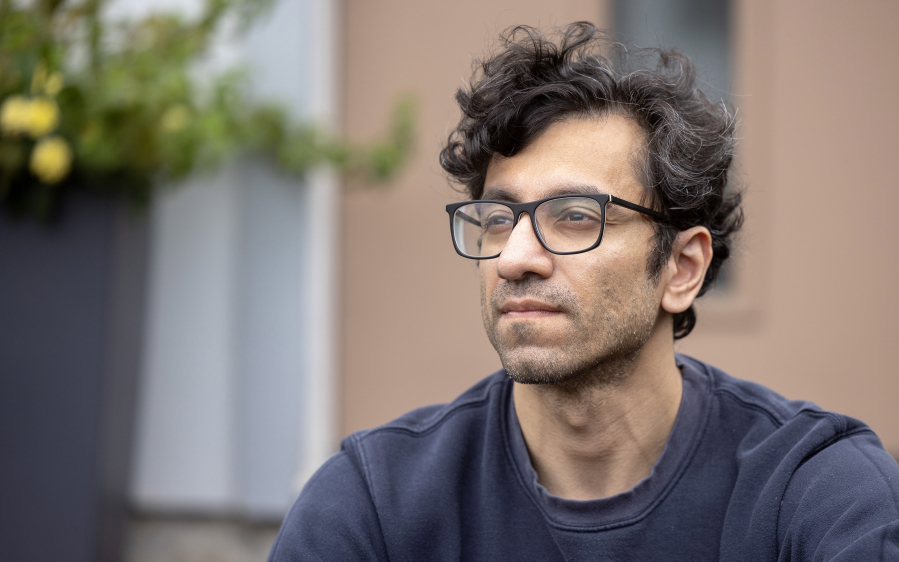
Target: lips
{"type": "Point", "coordinates": [518, 307]}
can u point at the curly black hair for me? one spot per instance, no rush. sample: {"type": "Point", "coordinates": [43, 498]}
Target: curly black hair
{"type": "Point", "coordinates": [534, 82]}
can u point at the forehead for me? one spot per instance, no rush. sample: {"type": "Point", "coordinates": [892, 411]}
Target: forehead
{"type": "Point", "coordinates": [594, 155]}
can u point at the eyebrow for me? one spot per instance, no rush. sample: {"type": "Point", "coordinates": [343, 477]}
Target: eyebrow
{"type": "Point", "coordinates": [503, 193]}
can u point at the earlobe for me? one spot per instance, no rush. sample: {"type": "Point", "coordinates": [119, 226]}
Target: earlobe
{"type": "Point", "coordinates": [690, 259]}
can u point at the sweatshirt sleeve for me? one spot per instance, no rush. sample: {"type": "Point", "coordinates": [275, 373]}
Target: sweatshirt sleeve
{"type": "Point", "coordinates": [842, 504]}
{"type": "Point", "coordinates": [332, 519]}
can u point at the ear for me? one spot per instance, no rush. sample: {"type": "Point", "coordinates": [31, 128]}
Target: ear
{"type": "Point", "coordinates": [690, 258]}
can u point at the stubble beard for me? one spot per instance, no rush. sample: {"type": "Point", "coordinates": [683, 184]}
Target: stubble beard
{"type": "Point", "coordinates": [599, 346]}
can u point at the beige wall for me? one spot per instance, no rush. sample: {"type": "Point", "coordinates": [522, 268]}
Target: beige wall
{"type": "Point", "coordinates": [821, 126]}
{"type": "Point", "coordinates": [814, 309]}
{"type": "Point", "coordinates": [411, 325]}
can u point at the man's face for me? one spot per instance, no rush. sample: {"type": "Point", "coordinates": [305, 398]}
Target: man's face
{"type": "Point", "coordinates": [558, 318]}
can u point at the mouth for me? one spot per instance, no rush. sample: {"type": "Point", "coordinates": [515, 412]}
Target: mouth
{"type": "Point", "coordinates": [528, 308]}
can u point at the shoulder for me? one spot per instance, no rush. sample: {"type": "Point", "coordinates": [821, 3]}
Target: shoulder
{"type": "Point", "coordinates": [332, 519]}
{"type": "Point", "coordinates": [808, 482]}
{"type": "Point", "coordinates": [760, 414]}
{"type": "Point", "coordinates": [374, 494]}
{"type": "Point", "coordinates": [765, 428]}
{"type": "Point", "coordinates": [842, 502]}
{"type": "Point", "coordinates": [429, 433]}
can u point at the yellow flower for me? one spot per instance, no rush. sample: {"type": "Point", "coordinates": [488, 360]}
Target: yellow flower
{"type": "Point", "coordinates": [36, 117]}
{"type": "Point", "coordinates": [14, 115]}
{"type": "Point", "coordinates": [44, 82]}
{"type": "Point", "coordinates": [43, 117]}
{"type": "Point", "coordinates": [51, 159]}
{"type": "Point", "coordinates": [175, 118]}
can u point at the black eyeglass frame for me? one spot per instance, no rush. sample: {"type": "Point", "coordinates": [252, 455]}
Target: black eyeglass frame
{"type": "Point", "coordinates": [531, 207]}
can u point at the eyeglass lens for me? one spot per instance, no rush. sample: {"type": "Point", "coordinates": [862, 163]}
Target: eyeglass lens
{"type": "Point", "coordinates": [567, 224]}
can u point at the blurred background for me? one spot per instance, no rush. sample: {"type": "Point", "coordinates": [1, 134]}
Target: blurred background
{"type": "Point", "coordinates": [169, 380]}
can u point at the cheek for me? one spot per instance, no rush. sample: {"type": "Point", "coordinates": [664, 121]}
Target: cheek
{"type": "Point", "coordinates": [584, 276]}
{"type": "Point", "coordinates": [628, 255]}
{"type": "Point", "coordinates": [487, 278]}
{"type": "Point", "coordinates": [606, 274]}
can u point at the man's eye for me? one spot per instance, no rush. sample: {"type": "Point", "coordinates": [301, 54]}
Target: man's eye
{"type": "Point", "coordinates": [497, 221]}
{"type": "Point", "coordinates": [574, 216]}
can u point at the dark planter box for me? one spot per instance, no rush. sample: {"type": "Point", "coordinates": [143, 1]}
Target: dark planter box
{"type": "Point", "coordinates": [71, 308]}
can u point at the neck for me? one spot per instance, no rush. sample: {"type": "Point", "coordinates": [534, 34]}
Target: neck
{"type": "Point", "coordinates": [597, 439]}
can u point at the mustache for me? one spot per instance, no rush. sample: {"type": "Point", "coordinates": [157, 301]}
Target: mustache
{"type": "Point", "coordinates": [536, 289]}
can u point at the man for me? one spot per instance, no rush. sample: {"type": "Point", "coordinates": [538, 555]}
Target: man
{"type": "Point", "coordinates": [598, 214]}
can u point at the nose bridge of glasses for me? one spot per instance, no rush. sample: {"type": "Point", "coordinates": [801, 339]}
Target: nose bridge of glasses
{"type": "Point", "coordinates": [516, 217]}
{"type": "Point", "coordinates": [530, 225]}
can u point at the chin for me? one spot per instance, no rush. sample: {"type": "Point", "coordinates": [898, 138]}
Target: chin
{"type": "Point", "coordinates": [543, 366]}
{"type": "Point", "coordinates": [540, 366]}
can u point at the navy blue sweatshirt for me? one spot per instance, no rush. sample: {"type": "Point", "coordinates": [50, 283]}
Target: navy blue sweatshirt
{"type": "Point", "coordinates": [746, 475]}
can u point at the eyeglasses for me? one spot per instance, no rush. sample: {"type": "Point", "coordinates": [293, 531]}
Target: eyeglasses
{"type": "Point", "coordinates": [564, 224]}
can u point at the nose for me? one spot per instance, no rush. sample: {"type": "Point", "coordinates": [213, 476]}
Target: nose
{"type": "Point", "coordinates": [523, 253]}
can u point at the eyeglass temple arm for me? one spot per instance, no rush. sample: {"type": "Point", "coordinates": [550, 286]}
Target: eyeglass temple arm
{"type": "Point", "coordinates": [638, 208]}
{"type": "Point", "coordinates": [467, 218]}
